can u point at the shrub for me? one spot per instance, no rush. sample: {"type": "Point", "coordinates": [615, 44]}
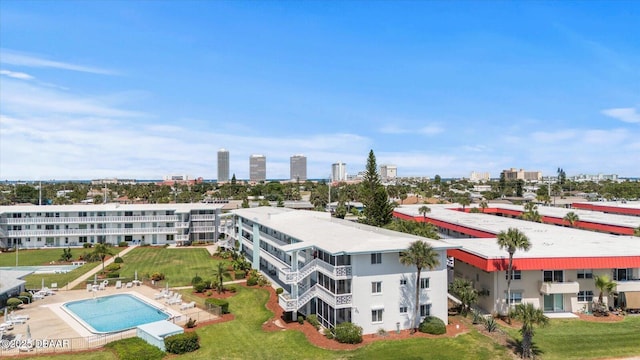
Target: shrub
{"type": "Point", "coordinates": [490, 325]}
{"type": "Point", "coordinates": [123, 244]}
{"type": "Point", "coordinates": [279, 291]}
{"type": "Point", "coordinates": [231, 288]}
{"type": "Point", "coordinates": [112, 267]}
{"type": "Point", "coordinates": [191, 323]}
{"type": "Point", "coordinates": [135, 349]}
{"type": "Point", "coordinates": [240, 274]}
{"type": "Point", "coordinates": [223, 304]}
{"type": "Point", "coordinates": [26, 294]}
{"type": "Point", "coordinates": [328, 334]}
{"type": "Point", "coordinates": [14, 303]}
{"type": "Point", "coordinates": [157, 276]}
{"type": "Point", "coordinates": [313, 320]}
{"type": "Point", "coordinates": [382, 332]}
{"type": "Point", "coordinates": [262, 281]}
{"type": "Point", "coordinates": [182, 343]}
{"type": "Point", "coordinates": [348, 333]}
{"type": "Point", "coordinates": [196, 279]}
{"type": "Point", "coordinates": [251, 281]}
{"type": "Point", "coordinates": [199, 287]}
{"type": "Point", "coordinates": [432, 325]}
{"type": "Point", "coordinates": [87, 245]}
{"type": "Point", "coordinates": [113, 275]}
{"type": "Point", "coordinates": [118, 260]}
{"type": "Point", "coordinates": [300, 319]}
{"type": "Point", "coordinates": [477, 317]}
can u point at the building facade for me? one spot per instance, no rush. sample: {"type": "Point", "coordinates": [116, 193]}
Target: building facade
{"type": "Point", "coordinates": [388, 173]}
{"type": "Point", "coordinates": [298, 168]}
{"type": "Point", "coordinates": [223, 165]}
{"type": "Point", "coordinates": [338, 172]}
{"type": "Point", "coordinates": [257, 168]}
{"type": "Point", "coordinates": [340, 270]}
{"type": "Point", "coordinates": [479, 176]}
{"type": "Point", "coordinates": [35, 226]}
{"type": "Point", "coordinates": [513, 174]}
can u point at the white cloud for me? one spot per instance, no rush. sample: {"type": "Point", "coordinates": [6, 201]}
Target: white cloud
{"type": "Point", "coordinates": [23, 59]}
{"type": "Point", "coordinates": [428, 130]}
{"type": "Point", "coordinates": [16, 75]}
{"type": "Point", "coordinates": [629, 115]}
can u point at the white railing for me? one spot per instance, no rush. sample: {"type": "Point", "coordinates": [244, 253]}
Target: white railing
{"type": "Point", "coordinates": [292, 277]}
{"type": "Point", "coordinates": [91, 232]}
{"type": "Point", "coordinates": [88, 219]}
{"type": "Point", "coordinates": [335, 301]}
{"type": "Point", "coordinates": [182, 225]}
{"type": "Point", "coordinates": [568, 287]}
{"type": "Point", "coordinates": [203, 229]}
{"type": "Point", "coordinates": [209, 217]}
{"type": "Point", "coordinates": [182, 237]}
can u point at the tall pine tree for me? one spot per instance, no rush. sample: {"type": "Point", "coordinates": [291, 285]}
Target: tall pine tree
{"type": "Point", "coordinates": [377, 209]}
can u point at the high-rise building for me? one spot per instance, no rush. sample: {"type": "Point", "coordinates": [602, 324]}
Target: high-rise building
{"type": "Point", "coordinates": [298, 167]}
{"type": "Point", "coordinates": [338, 172]}
{"type": "Point", "coordinates": [479, 176]}
{"type": "Point", "coordinates": [513, 174]}
{"type": "Point", "coordinates": [223, 165]}
{"type": "Point", "coordinates": [257, 168]}
{"type": "Point", "coordinates": [388, 172]}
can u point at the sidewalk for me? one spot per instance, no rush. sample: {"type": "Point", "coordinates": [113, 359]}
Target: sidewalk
{"type": "Point", "coordinates": [95, 270]}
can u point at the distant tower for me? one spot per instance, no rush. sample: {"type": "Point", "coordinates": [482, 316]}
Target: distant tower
{"type": "Point", "coordinates": [338, 172]}
{"type": "Point", "coordinates": [388, 172]}
{"type": "Point", "coordinates": [298, 167]}
{"type": "Point", "coordinates": [257, 168]}
{"type": "Point", "coordinates": [223, 165]}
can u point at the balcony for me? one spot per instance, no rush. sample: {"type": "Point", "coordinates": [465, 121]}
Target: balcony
{"type": "Point", "coordinates": [88, 219]}
{"type": "Point", "coordinates": [336, 301]}
{"type": "Point", "coordinates": [91, 232]}
{"type": "Point", "coordinates": [209, 217]}
{"type": "Point", "coordinates": [627, 286]}
{"type": "Point", "coordinates": [182, 238]}
{"type": "Point", "coordinates": [569, 287]}
{"type": "Point", "coordinates": [203, 229]}
{"type": "Point", "coordinates": [182, 225]}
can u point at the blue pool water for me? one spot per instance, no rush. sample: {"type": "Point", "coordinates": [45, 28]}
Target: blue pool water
{"type": "Point", "coordinates": [114, 313]}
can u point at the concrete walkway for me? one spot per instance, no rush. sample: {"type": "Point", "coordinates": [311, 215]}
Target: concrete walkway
{"type": "Point", "coordinates": [82, 279]}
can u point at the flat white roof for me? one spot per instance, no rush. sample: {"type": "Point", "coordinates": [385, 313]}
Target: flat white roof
{"type": "Point", "coordinates": [109, 207]}
{"type": "Point", "coordinates": [547, 241]}
{"type": "Point", "coordinates": [161, 329]}
{"type": "Point", "coordinates": [584, 215]}
{"type": "Point", "coordinates": [620, 204]}
{"type": "Point", "coordinates": [336, 236]}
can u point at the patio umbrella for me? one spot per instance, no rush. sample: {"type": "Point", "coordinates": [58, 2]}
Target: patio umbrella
{"type": "Point", "coordinates": [42, 288]}
{"type": "Point", "coordinates": [28, 333]}
{"type": "Point", "coordinates": [136, 275]}
{"type": "Point", "coordinates": [95, 279]}
{"type": "Point", "coordinates": [6, 313]}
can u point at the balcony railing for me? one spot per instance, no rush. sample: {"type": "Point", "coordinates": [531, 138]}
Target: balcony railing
{"type": "Point", "coordinates": [91, 232]}
{"type": "Point", "coordinates": [203, 229]}
{"type": "Point", "coordinates": [182, 225]}
{"type": "Point", "coordinates": [335, 301]}
{"type": "Point", "coordinates": [569, 287]}
{"type": "Point", "coordinates": [627, 286]}
{"type": "Point", "coordinates": [206, 217]}
{"type": "Point", "coordinates": [336, 272]}
{"type": "Point", "coordinates": [88, 219]}
{"type": "Point", "coordinates": [182, 237]}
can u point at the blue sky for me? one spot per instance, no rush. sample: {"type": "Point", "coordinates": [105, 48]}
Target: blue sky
{"type": "Point", "coordinates": [144, 89]}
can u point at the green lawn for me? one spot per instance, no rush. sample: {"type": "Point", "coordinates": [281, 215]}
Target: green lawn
{"type": "Point", "coordinates": [34, 281]}
{"type": "Point", "coordinates": [178, 265]}
{"type": "Point", "coordinates": [35, 257]}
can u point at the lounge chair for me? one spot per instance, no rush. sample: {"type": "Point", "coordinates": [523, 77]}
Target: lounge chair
{"type": "Point", "coordinates": [38, 296]}
{"type": "Point", "coordinates": [101, 286]}
{"type": "Point", "coordinates": [129, 284]}
{"type": "Point", "coordinates": [89, 287]}
{"type": "Point", "coordinates": [6, 326]}
{"type": "Point", "coordinates": [168, 294]}
{"type": "Point", "coordinates": [188, 305]}
{"type": "Point", "coordinates": [118, 284]}
{"type": "Point", "coordinates": [19, 316]}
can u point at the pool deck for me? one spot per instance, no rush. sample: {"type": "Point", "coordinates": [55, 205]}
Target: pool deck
{"type": "Point", "coordinates": [47, 319]}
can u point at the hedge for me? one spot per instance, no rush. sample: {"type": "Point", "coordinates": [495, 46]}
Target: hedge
{"type": "Point", "coordinates": [14, 303]}
{"type": "Point", "coordinates": [118, 260]}
{"type": "Point", "coordinates": [348, 333]}
{"type": "Point", "coordinates": [252, 281]}
{"type": "Point", "coordinates": [313, 320]}
{"type": "Point", "coordinates": [224, 304]}
{"type": "Point", "coordinates": [135, 349]}
{"type": "Point", "coordinates": [432, 325]}
{"type": "Point", "coordinates": [182, 343]}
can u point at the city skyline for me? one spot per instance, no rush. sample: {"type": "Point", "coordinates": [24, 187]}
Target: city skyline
{"type": "Point", "coordinates": [141, 89]}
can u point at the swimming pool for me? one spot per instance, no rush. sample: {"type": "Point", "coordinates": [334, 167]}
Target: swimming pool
{"type": "Point", "coordinates": [113, 313]}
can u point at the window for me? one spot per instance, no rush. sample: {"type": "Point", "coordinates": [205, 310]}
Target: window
{"type": "Point", "coordinates": [585, 296]}
{"type": "Point", "coordinates": [516, 297]}
{"type": "Point", "coordinates": [424, 283]}
{"type": "Point", "coordinates": [553, 276]}
{"type": "Point", "coordinates": [621, 274]}
{"type": "Point", "coordinates": [403, 309]}
{"type": "Point", "coordinates": [425, 310]}
{"type": "Point", "coordinates": [376, 287]}
{"type": "Point", "coordinates": [585, 274]}
{"type": "Point", "coordinates": [128, 226]}
{"type": "Point", "coordinates": [82, 239]}
{"type": "Point", "coordinates": [403, 282]}
{"type": "Point", "coordinates": [376, 258]}
{"type": "Point", "coordinates": [170, 237]}
{"type": "Point", "coordinates": [515, 275]}
{"type": "Point", "coordinates": [376, 316]}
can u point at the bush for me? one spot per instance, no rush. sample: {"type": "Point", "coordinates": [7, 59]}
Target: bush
{"type": "Point", "coordinates": [157, 276]}
{"type": "Point", "coordinates": [231, 288]}
{"type": "Point", "coordinates": [252, 281]}
{"type": "Point", "coordinates": [135, 349]}
{"type": "Point", "coordinates": [113, 275]}
{"type": "Point", "coordinates": [182, 343]}
{"type": "Point", "coordinates": [300, 319]}
{"type": "Point", "coordinates": [26, 294]}
{"type": "Point", "coordinates": [348, 333]}
{"type": "Point", "coordinates": [196, 279]}
{"type": "Point", "coordinates": [199, 287]}
{"type": "Point", "coordinates": [87, 245]}
{"type": "Point", "coordinates": [279, 291]}
{"type": "Point", "coordinates": [112, 267]}
{"type": "Point", "coordinates": [118, 260]}
{"type": "Point", "coordinates": [14, 303]}
{"type": "Point", "coordinates": [313, 320]}
{"type": "Point", "coordinates": [490, 325]}
{"type": "Point", "coordinates": [223, 304]}
{"type": "Point", "coordinates": [190, 323]}
{"type": "Point", "coordinates": [123, 244]}
{"type": "Point", "coordinates": [432, 325]}
{"type": "Point", "coordinates": [240, 274]}
{"type": "Point", "coordinates": [329, 334]}
{"type": "Point", "coordinates": [262, 281]}
{"type": "Point", "coordinates": [477, 317]}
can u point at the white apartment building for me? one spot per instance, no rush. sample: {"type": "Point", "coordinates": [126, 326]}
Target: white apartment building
{"type": "Point", "coordinates": [339, 270]}
{"type": "Point", "coordinates": [35, 226]}
{"type": "Point", "coordinates": [557, 273]}
{"type": "Point", "coordinates": [388, 173]}
{"type": "Point", "coordinates": [338, 172]}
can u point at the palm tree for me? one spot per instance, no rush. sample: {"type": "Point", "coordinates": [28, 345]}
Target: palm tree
{"type": "Point", "coordinates": [465, 292]}
{"type": "Point", "coordinates": [636, 231]}
{"type": "Point", "coordinates": [424, 209]}
{"type": "Point", "coordinates": [604, 285]}
{"type": "Point", "coordinates": [512, 240]}
{"type": "Point", "coordinates": [572, 218]}
{"type": "Point", "coordinates": [422, 256]}
{"type": "Point", "coordinates": [483, 205]}
{"type": "Point", "coordinates": [218, 275]}
{"type": "Point", "coordinates": [464, 201]}
{"type": "Point", "coordinates": [102, 251]}
{"type": "Point", "coordinates": [530, 316]}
